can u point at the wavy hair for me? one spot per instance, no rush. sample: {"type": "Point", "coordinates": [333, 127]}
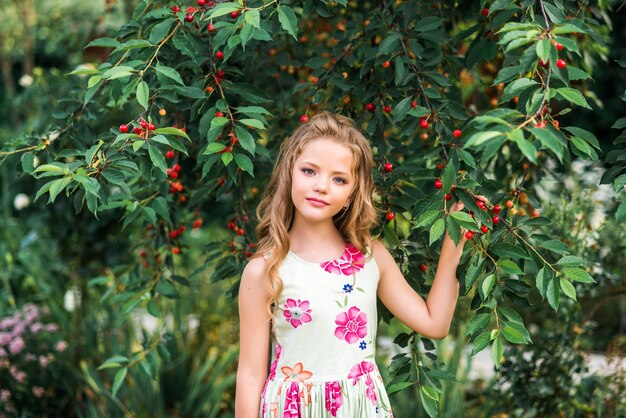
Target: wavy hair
{"type": "Point", "coordinates": [276, 210]}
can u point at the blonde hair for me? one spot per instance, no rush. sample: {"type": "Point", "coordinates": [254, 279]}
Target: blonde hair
{"type": "Point", "coordinates": [275, 212]}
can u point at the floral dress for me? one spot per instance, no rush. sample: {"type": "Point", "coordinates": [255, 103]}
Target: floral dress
{"type": "Point", "coordinates": [324, 341]}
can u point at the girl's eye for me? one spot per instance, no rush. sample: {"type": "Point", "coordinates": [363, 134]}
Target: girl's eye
{"type": "Point", "coordinates": [341, 181]}
{"type": "Point", "coordinates": [308, 171]}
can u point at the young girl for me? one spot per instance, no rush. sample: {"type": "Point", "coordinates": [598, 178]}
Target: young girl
{"type": "Point", "coordinates": [311, 288]}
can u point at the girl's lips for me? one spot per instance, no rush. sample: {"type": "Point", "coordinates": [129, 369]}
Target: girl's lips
{"type": "Point", "coordinates": [317, 202]}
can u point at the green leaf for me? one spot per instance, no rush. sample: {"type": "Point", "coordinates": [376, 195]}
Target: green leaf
{"type": "Point", "coordinates": [397, 387]}
{"type": "Point", "coordinates": [428, 403]}
{"type": "Point", "coordinates": [134, 44]}
{"type": "Point", "coordinates": [481, 342]}
{"type": "Point", "coordinates": [581, 145]}
{"type": "Point", "coordinates": [480, 138]}
{"type": "Point", "coordinates": [543, 49]}
{"type": "Point", "coordinates": [245, 163]}
{"type": "Point", "coordinates": [465, 220]}
{"type": "Point", "coordinates": [488, 285]}
{"type": "Point", "coordinates": [567, 288]}
{"type": "Point", "coordinates": [555, 245]}
{"type": "Point", "coordinates": [578, 275]}
{"type": "Point", "coordinates": [513, 336]}
{"type": "Point", "coordinates": [620, 214]}
{"type": "Point", "coordinates": [171, 131]}
{"type": "Point", "coordinates": [118, 380]}
{"type": "Point", "coordinates": [573, 96]}
{"type": "Point", "coordinates": [138, 144]}
{"type": "Point", "coordinates": [570, 261]}
{"type": "Point", "coordinates": [497, 349]}
{"type": "Point", "coordinates": [223, 9]}
{"type": "Point", "coordinates": [436, 231]}
{"type": "Point", "coordinates": [505, 250]}
{"type": "Point", "coordinates": [428, 23]}
{"type": "Point", "coordinates": [427, 218]}
{"type": "Point", "coordinates": [448, 177]}
{"type": "Point", "coordinates": [254, 123]}
{"type": "Point", "coordinates": [169, 73]}
{"type": "Point", "coordinates": [553, 294]}
{"type": "Point", "coordinates": [118, 72]}
{"type": "Point", "coordinates": [143, 93]}
{"type": "Point", "coordinates": [477, 323]}
{"type": "Point", "coordinates": [510, 267]}
{"type": "Point", "coordinates": [57, 186]}
{"type": "Point", "coordinates": [157, 158]}
{"type": "Point", "coordinates": [214, 147]}
{"type": "Point", "coordinates": [288, 21]}
{"type": "Point", "coordinates": [389, 44]}
{"type": "Point", "coordinates": [549, 141]}
{"type": "Point", "coordinates": [542, 282]}
{"type": "Point", "coordinates": [253, 17]}
{"type": "Point", "coordinates": [245, 139]}
{"type": "Point", "coordinates": [103, 42]}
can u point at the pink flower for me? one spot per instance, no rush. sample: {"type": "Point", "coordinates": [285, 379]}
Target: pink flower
{"type": "Point", "coordinates": [349, 263]}
{"type": "Point", "coordinates": [297, 312]}
{"type": "Point", "coordinates": [371, 390]}
{"type": "Point", "coordinates": [38, 391]}
{"type": "Point", "coordinates": [5, 395]}
{"type": "Point", "coordinates": [37, 327]}
{"type": "Point", "coordinates": [333, 397]}
{"type": "Point", "coordinates": [43, 361]}
{"type": "Point", "coordinates": [52, 327]}
{"type": "Point", "coordinates": [60, 346]}
{"type": "Point", "coordinates": [278, 350]}
{"type": "Point", "coordinates": [292, 402]}
{"type": "Point", "coordinates": [352, 325]}
{"type": "Point", "coordinates": [360, 369]}
{"type": "Point", "coordinates": [3, 352]}
{"type": "Point", "coordinates": [5, 338]}
{"type": "Point", "coordinates": [16, 345]}
{"type": "Point", "coordinates": [296, 374]}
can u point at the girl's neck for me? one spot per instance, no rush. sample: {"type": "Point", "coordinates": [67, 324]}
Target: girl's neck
{"type": "Point", "coordinates": [315, 239]}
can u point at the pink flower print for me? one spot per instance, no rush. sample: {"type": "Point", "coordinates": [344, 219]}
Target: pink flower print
{"type": "Point", "coordinates": [292, 402]}
{"type": "Point", "coordinates": [352, 325]}
{"type": "Point", "coordinates": [297, 312]}
{"type": "Point", "coordinates": [296, 374]}
{"type": "Point", "coordinates": [360, 369]}
{"type": "Point", "coordinates": [371, 390]}
{"type": "Point", "coordinates": [278, 350]}
{"type": "Point", "coordinates": [333, 397]}
{"type": "Point", "coordinates": [349, 263]}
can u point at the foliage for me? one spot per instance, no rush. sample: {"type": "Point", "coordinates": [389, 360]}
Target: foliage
{"type": "Point", "coordinates": [32, 363]}
{"type": "Point", "coordinates": [173, 129]}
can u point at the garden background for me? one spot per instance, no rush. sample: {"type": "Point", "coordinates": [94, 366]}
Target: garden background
{"type": "Point", "coordinates": [136, 138]}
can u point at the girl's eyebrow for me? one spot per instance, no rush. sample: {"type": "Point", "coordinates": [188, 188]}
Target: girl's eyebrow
{"type": "Point", "coordinates": [341, 173]}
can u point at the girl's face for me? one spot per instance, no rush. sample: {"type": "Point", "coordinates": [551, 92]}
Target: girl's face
{"type": "Point", "coordinates": [322, 180]}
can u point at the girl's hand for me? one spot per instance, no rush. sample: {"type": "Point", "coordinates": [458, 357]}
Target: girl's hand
{"type": "Point", "coordinates": [456, 207]}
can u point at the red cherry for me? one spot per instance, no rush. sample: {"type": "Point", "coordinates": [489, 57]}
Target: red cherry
{"type": "Point", "coordinates": [496, 220]}
{"type": "Point", "coordinates": [388, 167]}
{"type": "Point", "coordinates": [424, 123]}
{"type": "Point", "coordinates": [219, 114]}
{"type": "Point", "coordinates": [536, 213]}
{"type": "Point", "coordinates": [219, 55]}
{"type": "Point", "coordinates": [469, 234]}
{"type": "Point", "coordinates": [123, 128]}
{"type": "Point", "coordinates": [497, 209]}
{"type": "Point", "coordinates": [197, 223]}
{"type": "Point", "coordinates": [211, 28]}
{"type": "Point", "coordinates": [509, 203]}
{"type": "Point", "coordinates": [390, 216]}
{"type": "Point", "coordinates": [181, 229]}
{"type": "Point", "coordinates": [234, 14]}
{"type": "Point", "coordinates": [143, 124]}
{"type": "Point", "coordinates": [387, 109]}
{"type": "Point", "coordinates": [176, 167]}
{"type": "Point", "coordinates": [249, 254]}
{"type": "Point", "coordinates": [370, 107]}
{"type": "Point", "coordinates": [413, 103]}
{"type": "Point", "coordinates": [386, 64]}
{"type": "Point", "coordinates": [136, 130]}
{"type": "Point", "coordinates": [240, 232]}
{"type": "Point", "coordinates": [438, 184]}
{"type": "Point", "coordinates": [182, 199]}
{"type": "Point", "coordinates": [143, 254]}
{"type": "Point", "coordinates": [484, 229]}
{"type": "Point", "coordinates": [231, 225]}
{"type": "Point", "coordinates": [176, 250]}
{"type": "Point", "coordinates": [151, 127]}
{"type": "Point", "coordinates": [423, 267]}
{"type": "Point", "coordinates": [540, 125]}
{"type": "Point", "coordinates": [174, 234]}
{"type": "Point", "coordinates": [189, 17]}
{"type": "Point", "coordinates": [543, 63]}
{"type": "Point", "coordinates": [453, 187]}
{"type": "Point", "coordinates": [485, 12]}
{"type": "Point", "coordinates": [561, 63]}
{"type": "Point", "coordinates": [201, 2]}
{"type": "Point", "coordinates": [175, 9]}
{"type": "Point", "coordinates": [558, 46]}
{"type": "Point", "coordinates": [220, 181]}
{"type": "Point", "coordinates": [447, 196]}
{"type": "Point", "coordinates": [173, 174]}
{"type": "Point", "coordinates": [440, 166]}
{"type": "Point", "coordinates": [457, 133]}
{"type": "Point", "coordinates": [304, 118]}
{"type": "Point", "coordinates": [169, 154]}
{"type": "Point", "coordinates": [191, 9]}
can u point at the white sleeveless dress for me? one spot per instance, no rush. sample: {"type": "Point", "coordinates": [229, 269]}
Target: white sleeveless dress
{"type": "Point", "coordinates": [324, 341]}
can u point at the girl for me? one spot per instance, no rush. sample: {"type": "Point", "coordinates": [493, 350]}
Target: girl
{"type": "Point", "coordinates": [310, 290]}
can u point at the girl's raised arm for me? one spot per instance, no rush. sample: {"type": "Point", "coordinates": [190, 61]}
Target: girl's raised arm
{"type": "Point", "coordinates": [254, 334]}
{"type": "Point", "coordinates": [431, 318]}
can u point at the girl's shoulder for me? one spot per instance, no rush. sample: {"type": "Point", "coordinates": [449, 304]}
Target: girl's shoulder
{"type": "Point", "coordinates": [380, 254]}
